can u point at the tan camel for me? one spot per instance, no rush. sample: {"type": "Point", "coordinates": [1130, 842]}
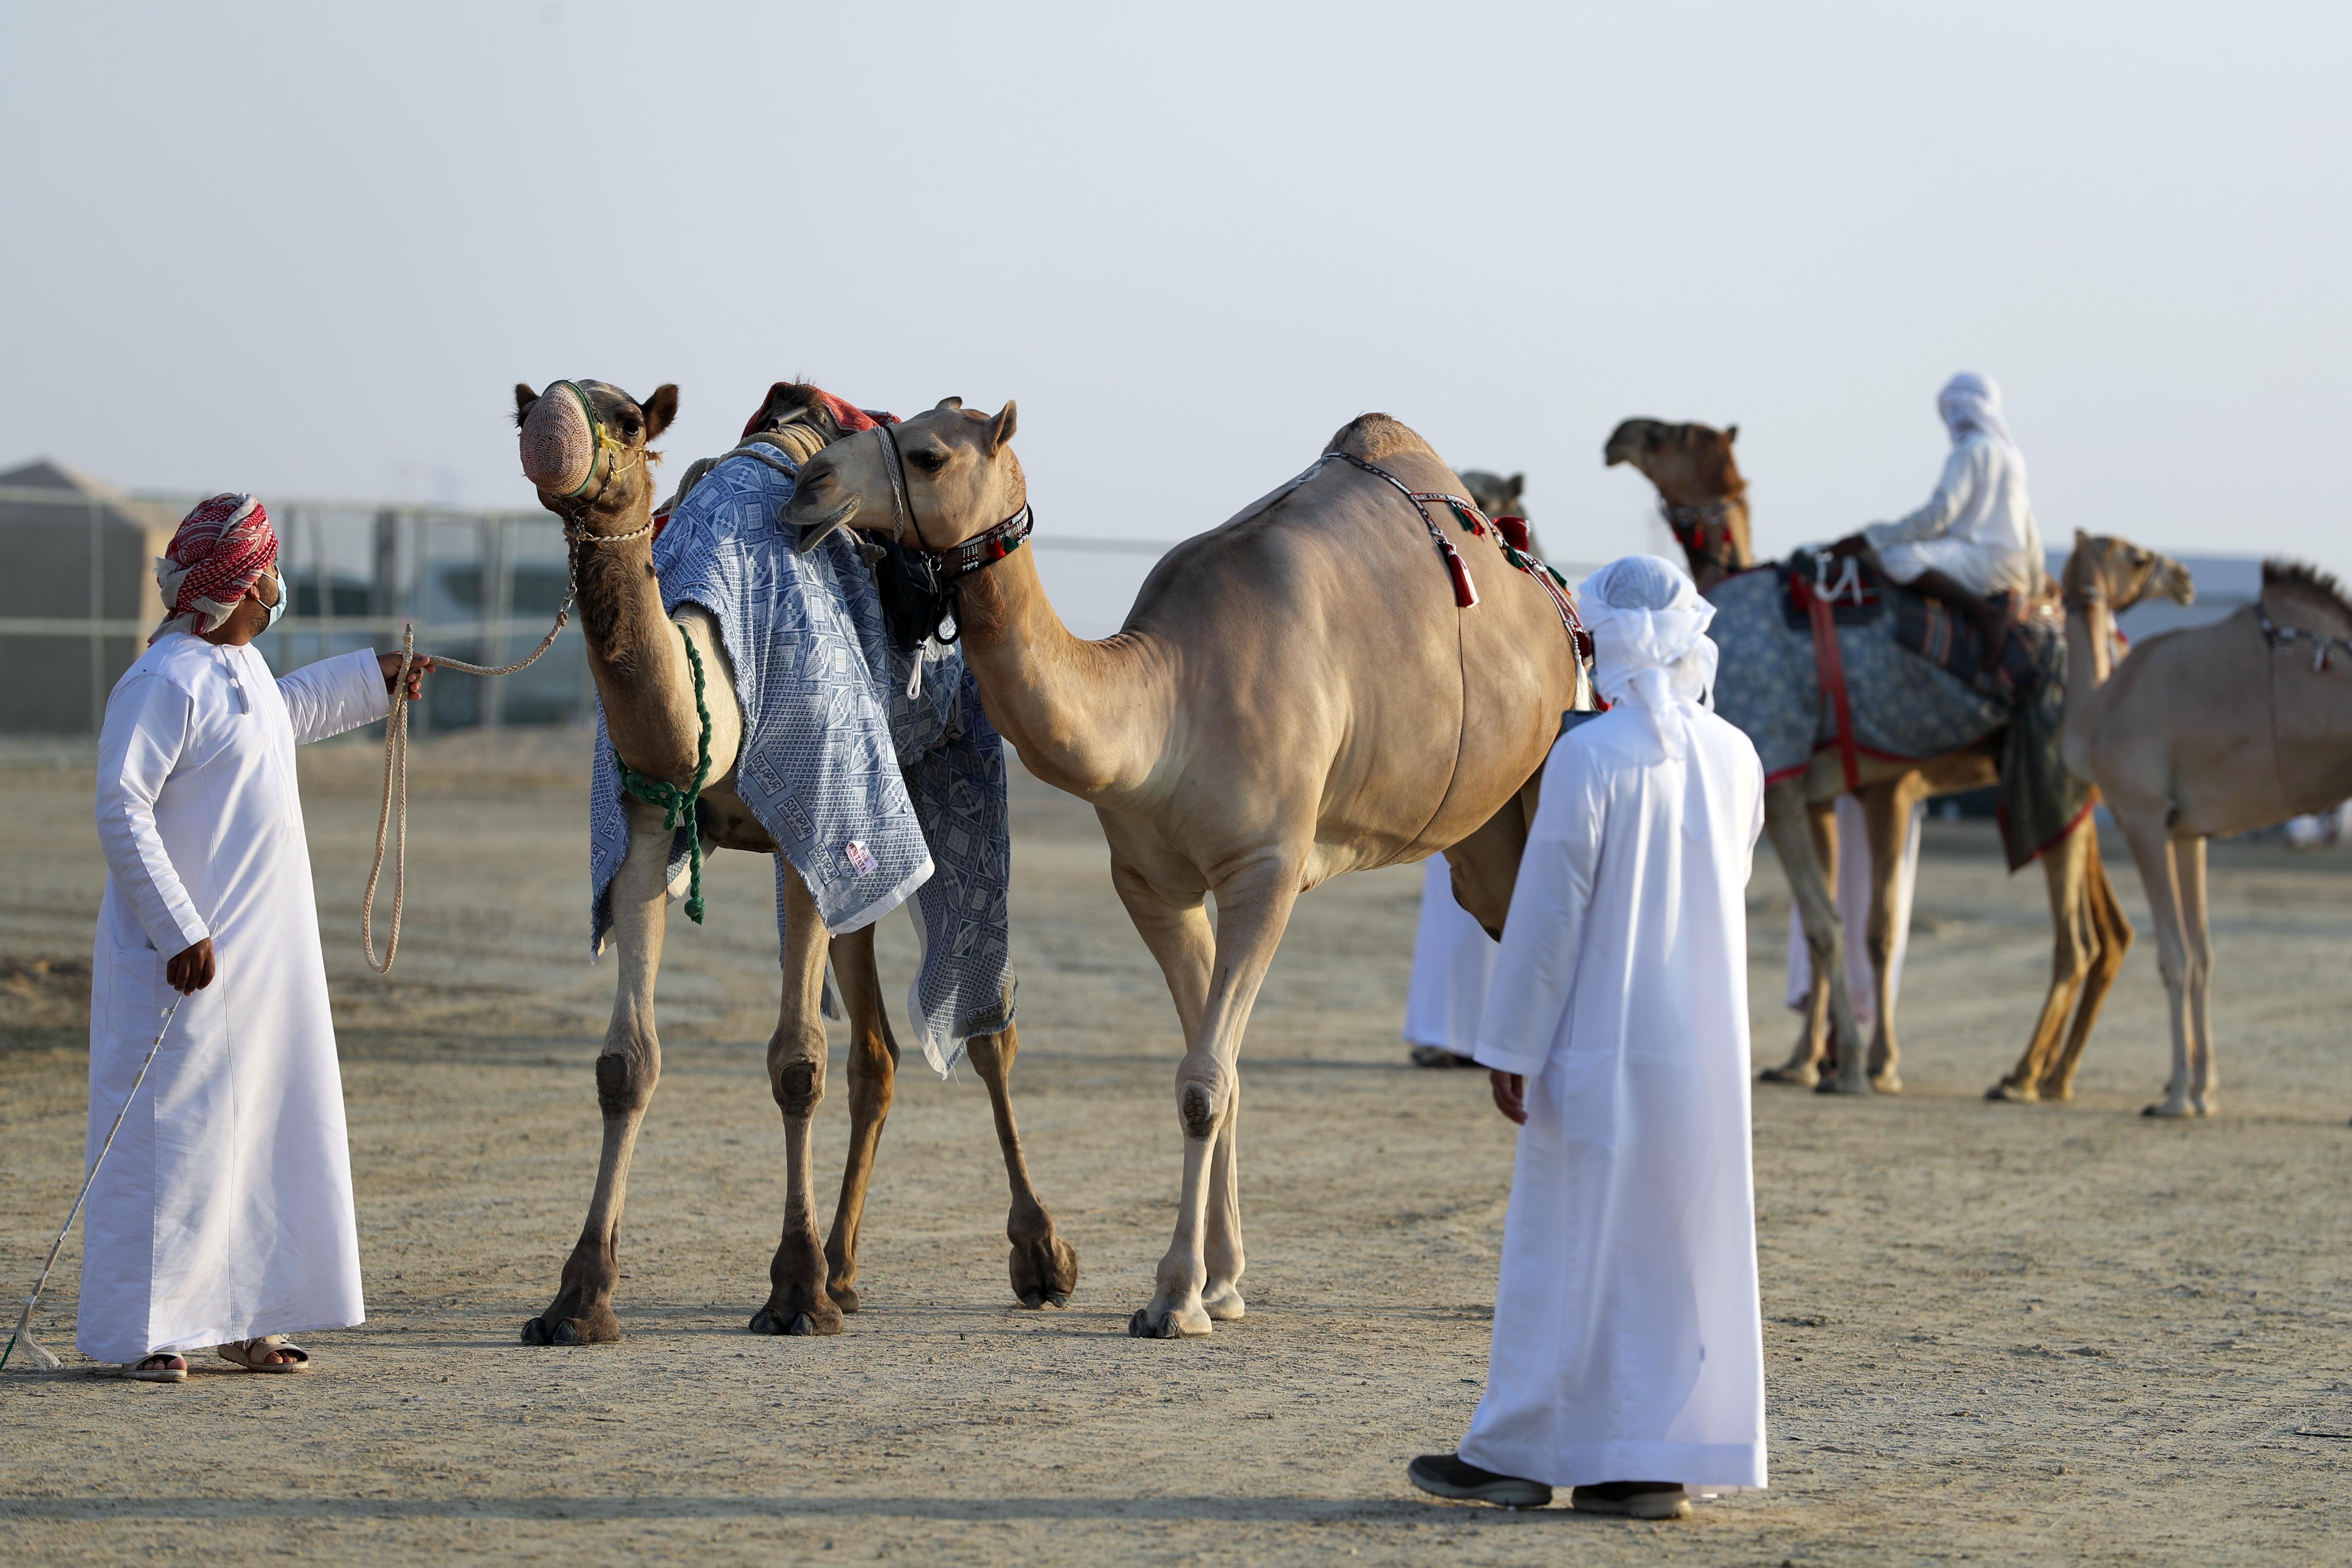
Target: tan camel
{"type": "Point", "coordinates": [1705, 504]}
{"type": "Point", "coordinates": [2212, 728]}
{"type": "Point", "coordinates": [1295, 694]}
{"type": "Point", "coordinates": [646, 689]}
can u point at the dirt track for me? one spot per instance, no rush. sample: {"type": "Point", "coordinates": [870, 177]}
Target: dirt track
{"type": "Point", "coordinates": [1995, 1333]}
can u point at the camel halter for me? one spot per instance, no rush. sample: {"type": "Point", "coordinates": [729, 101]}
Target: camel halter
{"type": "Point", "coordinates": [606, 448]}
{"type": "Point", "coordinates": [1705, 534]}
{"type": "Point", "coordinates": [394, 807]}
{"type": "Point", "coordinates": [945, 569]}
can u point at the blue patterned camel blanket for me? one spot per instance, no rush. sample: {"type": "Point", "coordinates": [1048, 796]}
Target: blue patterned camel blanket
{"type": "Point", "coordinates": [873, 795]}
{"type": "Point", "coordinates": [1904, 706]}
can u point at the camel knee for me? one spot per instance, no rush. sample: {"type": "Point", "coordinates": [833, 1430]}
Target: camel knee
{"type": "Point", "coordinates": [625, 1082]}
{"type": "Point", "coordinates": [798, 1083]}
{"type": "Point", "coordinates": [1200, 1106]}
{"type": "Point", "coordinates": [873, 1077]}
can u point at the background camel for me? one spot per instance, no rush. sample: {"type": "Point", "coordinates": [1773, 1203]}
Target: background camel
{"type": "Point", "coordinates": [1294, 695]}
{"type": "Point", "coordinates": [2213, 729]}
{"type": "Point", "coordinates": [1705, 500]}
{"type": "Point", "coordinates": [597, 476]}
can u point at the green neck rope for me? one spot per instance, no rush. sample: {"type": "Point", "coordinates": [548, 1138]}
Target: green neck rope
{"type": "Point", "coordinates": [677, 805]}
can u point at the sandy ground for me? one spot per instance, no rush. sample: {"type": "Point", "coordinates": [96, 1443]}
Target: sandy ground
{"type": "Point", "coordinates": [1995, 1333]}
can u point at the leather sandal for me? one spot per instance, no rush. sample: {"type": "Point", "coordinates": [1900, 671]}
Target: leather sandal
{"type": "Point", "coordinates": [164, 1366]}
{"type": "Point", "coordinates": [250, 1353]}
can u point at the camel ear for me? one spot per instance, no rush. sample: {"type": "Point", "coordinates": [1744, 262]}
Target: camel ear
{"type": "Point", "coordinates": [524, 398]}
{"type": "Point", "coordinates": [660, 409]}
{"type": "Point", "coordinates": [1000, 429]}
{"type": "Point", "coordinates": [1515, 487]}
{"type": "Point", "coordinates": [946, 403]}
{"type": "Point", "coordinates": [1730, 434]}
{"type": "Point", "coordinates": [2081, 540]}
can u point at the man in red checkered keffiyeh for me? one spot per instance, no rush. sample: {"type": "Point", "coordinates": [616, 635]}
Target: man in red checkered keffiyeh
{"type": "Point", "coordinates": [221, 551]}
{"type": "Point", "coordinates": [224, 1216]}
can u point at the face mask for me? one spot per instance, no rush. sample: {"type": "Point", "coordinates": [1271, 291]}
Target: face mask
{"type": "Point", "coordinates": [279, 608]}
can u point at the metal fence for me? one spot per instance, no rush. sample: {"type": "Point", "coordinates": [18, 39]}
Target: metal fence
{"type": "Point", "coordinates": [478, 586]}
{"type": "Point", "coordinates": [474, 584]}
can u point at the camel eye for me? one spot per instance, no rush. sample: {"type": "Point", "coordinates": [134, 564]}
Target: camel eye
{"type": "Point", "coordinates": [928, 460]}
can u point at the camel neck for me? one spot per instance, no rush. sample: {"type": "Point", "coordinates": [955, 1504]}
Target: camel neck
{"type": "Point", "coordinates": [2090, 641]}
{"type": "Point", "coordinates": [634, 655]}
{"type": "Point", "coordinates": [1085, 716]}
{"type": "Point", "coordinates": [1712, 557]}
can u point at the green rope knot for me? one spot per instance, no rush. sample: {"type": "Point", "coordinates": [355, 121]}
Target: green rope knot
{"type": "Point", "coordinates": [677, 805]}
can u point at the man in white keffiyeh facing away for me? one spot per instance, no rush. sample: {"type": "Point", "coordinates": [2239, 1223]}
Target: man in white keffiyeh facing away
{"type": "Point", "coordinates": [1628, 1358]}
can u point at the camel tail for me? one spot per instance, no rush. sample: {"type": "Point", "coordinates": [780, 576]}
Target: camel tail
{"type": "Point", "coordinates": [1376, 437]}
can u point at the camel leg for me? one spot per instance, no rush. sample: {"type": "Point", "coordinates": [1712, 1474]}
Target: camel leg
{"type": "Point", "coordinates": [2114, 932]}
{"type": "Point", "coordinates": [1179, 935]}
{"type": "Point", "coordinates": [1253, 908]}
{"type": "Point", "coordinates": [1220, 1251]}
{"type": "Point", "coordinates": [2197, 939]}
{"type": "Point", "coordinates": [798, 1302]}
{"type": "Point", "coordinates": [872, 1075]}
{"type": "Point", "coordinates": [1812, 1056]}
{"type": "Point", "coordinates": [2152, 849]}
{"type": "Point", "coordinates": [1785, 820]}
{"type": "Point", "coordinates": [626, 1071]}
{"type": "Point", "coordinates": [2073, 947]}
{"type": "Point", "coordinates": [1045, 1267]}
{"type": "Point", "coordinates": [1886, 811]}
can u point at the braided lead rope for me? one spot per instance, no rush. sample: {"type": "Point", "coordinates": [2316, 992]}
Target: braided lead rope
{"type": "Point", "coordinates": [395, 787]}
{"type": "Point", "coordinates": [394, 804]}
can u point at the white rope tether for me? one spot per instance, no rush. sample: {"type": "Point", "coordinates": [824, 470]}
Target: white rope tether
{"type": "Point", "coordinates": [395, 774]}
{"type": "Point", "coordinates": [23, 1336]}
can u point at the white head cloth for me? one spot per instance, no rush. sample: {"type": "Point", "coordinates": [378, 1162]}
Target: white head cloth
{"type": "Point", "coordinates": [1650, 646]}
{"type": "Point", "coordinates": [1970, 403]}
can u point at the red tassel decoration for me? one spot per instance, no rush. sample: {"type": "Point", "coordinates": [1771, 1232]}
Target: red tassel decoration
{"type": "Point", "coordinates": [1466, 592]}
{"type": "Point", "coordinates": [1514, 533]}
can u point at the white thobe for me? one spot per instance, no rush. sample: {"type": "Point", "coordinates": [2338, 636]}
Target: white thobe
{"type": "Point", "coordinates": [1628, 1336]}
{"type": "Point", "coordinates": [1452, 958]}
{"type": "Point", "coordinates": [1854, 895]}
{"type": "Point", "coordinates": [224, 1211]}
{"type": "Point", "coordinates": [1978, 529]}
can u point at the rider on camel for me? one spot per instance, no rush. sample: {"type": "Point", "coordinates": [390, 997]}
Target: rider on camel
{"type": "Point", "coordinates": [1975, 541]}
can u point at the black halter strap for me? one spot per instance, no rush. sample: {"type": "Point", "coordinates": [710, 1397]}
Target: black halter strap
{"type": "Point", "coordinates": [932, 576]}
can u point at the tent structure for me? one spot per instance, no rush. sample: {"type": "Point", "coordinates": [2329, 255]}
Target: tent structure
{"type": "Point", "coordinates": [79, 597]}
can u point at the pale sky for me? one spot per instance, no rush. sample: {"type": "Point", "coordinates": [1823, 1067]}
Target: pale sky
{"type": "Point", "coordinates": [306, 249]}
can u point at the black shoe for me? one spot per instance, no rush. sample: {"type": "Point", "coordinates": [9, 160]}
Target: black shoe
{"type": "Point", "coordinates": [1450, 1476]}
{"type": "Point", "coordinates": [1633, 1499]}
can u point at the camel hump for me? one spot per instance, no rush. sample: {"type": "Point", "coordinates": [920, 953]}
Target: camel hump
{"type": "Point", "coordinates": [1376, 437]}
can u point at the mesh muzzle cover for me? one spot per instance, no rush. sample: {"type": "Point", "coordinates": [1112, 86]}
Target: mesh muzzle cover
{"type": "Point", "coordinates": [559, 446]}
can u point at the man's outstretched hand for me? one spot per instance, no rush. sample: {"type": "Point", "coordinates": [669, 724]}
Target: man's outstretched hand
{"type": "Point", "coordinates": [1510, 1094]}
{"type": "Point", "coordinates": [191, 970]}
{"type": "Point", "coordinates": [416, 668]}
